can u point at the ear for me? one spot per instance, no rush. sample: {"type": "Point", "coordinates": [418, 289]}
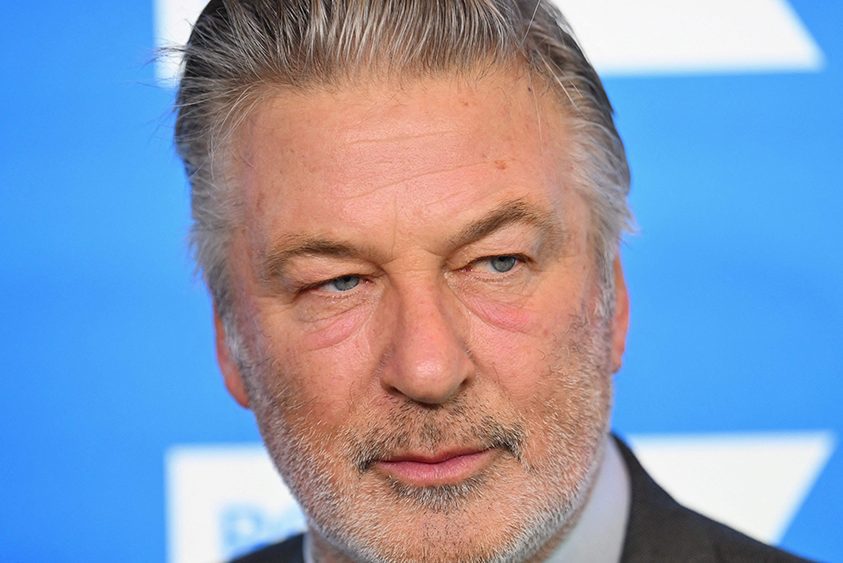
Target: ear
{"type": "Point", "coordinates": [620, 321]}
{"type": "Point", "coordinates": [228, 365]}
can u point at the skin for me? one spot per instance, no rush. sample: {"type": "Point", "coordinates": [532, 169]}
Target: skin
{"type": "Point", "coordinates": [413, 279]}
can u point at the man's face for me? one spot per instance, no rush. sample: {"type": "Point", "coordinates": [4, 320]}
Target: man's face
{"type": "Point", "coordinates": [416, 296]}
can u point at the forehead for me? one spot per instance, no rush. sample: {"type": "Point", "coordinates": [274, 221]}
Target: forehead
{"type": "Point", "coordinates": [412, 157]}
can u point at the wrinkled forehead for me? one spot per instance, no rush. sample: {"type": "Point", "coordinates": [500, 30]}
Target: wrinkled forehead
{"type": "Point", "coordinates": [365, 104]}
{"type": "Point", "coordinates": [428, 149]}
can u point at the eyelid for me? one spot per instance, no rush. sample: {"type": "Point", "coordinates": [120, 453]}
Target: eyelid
{"type": "Point", "coordinates": [321, 283]}
{"type": "Point", "coordinates": [522, 260]}
{"type": "Point", "coordinates": [521, 257]}
{"type": "Point", "coordinates": [317, 285]}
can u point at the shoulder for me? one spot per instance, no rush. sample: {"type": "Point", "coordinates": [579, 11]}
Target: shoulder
{"type": "Point", "coordinates": [288, 551]}
{"type": "Point", "coordinates": [660, 529]}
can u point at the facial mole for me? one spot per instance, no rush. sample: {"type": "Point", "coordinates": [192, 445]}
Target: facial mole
{"type": "Point", "coordinates": [501, 164]}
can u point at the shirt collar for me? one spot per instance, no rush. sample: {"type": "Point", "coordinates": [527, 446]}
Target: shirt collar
{"type": "Point", "coordinates": [599, 533]}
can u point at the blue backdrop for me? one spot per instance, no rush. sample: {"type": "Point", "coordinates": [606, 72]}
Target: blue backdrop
{"type": "Point", "coordinates": [736, 277]}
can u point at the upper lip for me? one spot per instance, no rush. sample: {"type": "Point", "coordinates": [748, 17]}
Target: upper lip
{"type": "Point", "coordinates": [439, 457]}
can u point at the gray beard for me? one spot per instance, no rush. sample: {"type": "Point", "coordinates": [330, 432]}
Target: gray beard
{"type": "Point", "coordinates": [295, 445]}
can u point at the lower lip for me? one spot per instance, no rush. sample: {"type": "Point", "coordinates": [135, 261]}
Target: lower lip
{"type": "Point", "coordinates": [446, 472]}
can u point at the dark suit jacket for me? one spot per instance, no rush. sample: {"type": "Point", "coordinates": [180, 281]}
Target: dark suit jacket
{"type": "Point", "coordinates": [658, 529]}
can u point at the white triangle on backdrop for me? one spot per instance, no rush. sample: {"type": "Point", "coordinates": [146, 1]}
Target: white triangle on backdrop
{"type": "Point", "coordinates": [692, 36]}
{"type": "Point", "coordinates": [630, 36]}
{"type": "Point", "coordinates": [754, 483]}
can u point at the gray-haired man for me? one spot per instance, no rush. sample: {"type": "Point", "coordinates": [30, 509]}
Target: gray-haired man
{"type": "Point", "coordinates": [408, 214]}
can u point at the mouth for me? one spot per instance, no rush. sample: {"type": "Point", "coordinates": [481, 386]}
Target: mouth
{"type": "Point", "coordinates": [444, 468]}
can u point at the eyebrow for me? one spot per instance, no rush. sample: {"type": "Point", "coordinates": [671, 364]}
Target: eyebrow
{"type": "Point", "coordinates": [511, 212]}
{"type": "Point", "coordinates": [275, 261]}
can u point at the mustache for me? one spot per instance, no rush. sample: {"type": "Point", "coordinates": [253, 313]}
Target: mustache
{"type": "Point", "coordinates": [423, 429]}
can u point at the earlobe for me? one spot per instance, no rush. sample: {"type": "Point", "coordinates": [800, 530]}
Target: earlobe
{"type": "Point", "coordinates": [228, 365]}
{"type": "Point", "coordinates": [620, 321]}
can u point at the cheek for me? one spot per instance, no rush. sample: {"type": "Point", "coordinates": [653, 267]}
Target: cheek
{"type": "Point", "coordinates": [335, 332]}
{"type": "Point", "coordinates": [545, 368]}
{"type": "Point", "coordinates": [504, 317]}
{"type": "Point", "coordinates": [518, 360]}
{"type": "Point", "coordinates": [323, 367]}
{"type": "Point", "coordinates": [521, 340]}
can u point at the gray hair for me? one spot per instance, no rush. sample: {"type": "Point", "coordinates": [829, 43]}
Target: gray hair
{"type": "Point", "coordinates": [239, 50]}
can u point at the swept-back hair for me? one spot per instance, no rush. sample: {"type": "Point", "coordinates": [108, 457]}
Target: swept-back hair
{"type": "Point", "coordinates": [240, 49]}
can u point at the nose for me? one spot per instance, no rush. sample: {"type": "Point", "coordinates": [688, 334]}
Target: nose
{"type": "Point", "coordinates": [429, 361]}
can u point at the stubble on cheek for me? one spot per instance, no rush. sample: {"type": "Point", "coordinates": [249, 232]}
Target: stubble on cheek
{"type": "Point", "coordinates": [294, 434]}
{"type": "Point", "coordinates": [329, 469]}
{"type": "Point", "coordinates": [552, 443]}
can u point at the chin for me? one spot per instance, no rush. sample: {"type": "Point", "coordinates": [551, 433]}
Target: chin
{"type": "Point", "coordinates": [513, 512]}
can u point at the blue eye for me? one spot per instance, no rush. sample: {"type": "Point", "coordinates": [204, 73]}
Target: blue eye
{"type": "Point", "coordinates": [503, 264]}
{"type": "Point", "coordinates": [344, 283]}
